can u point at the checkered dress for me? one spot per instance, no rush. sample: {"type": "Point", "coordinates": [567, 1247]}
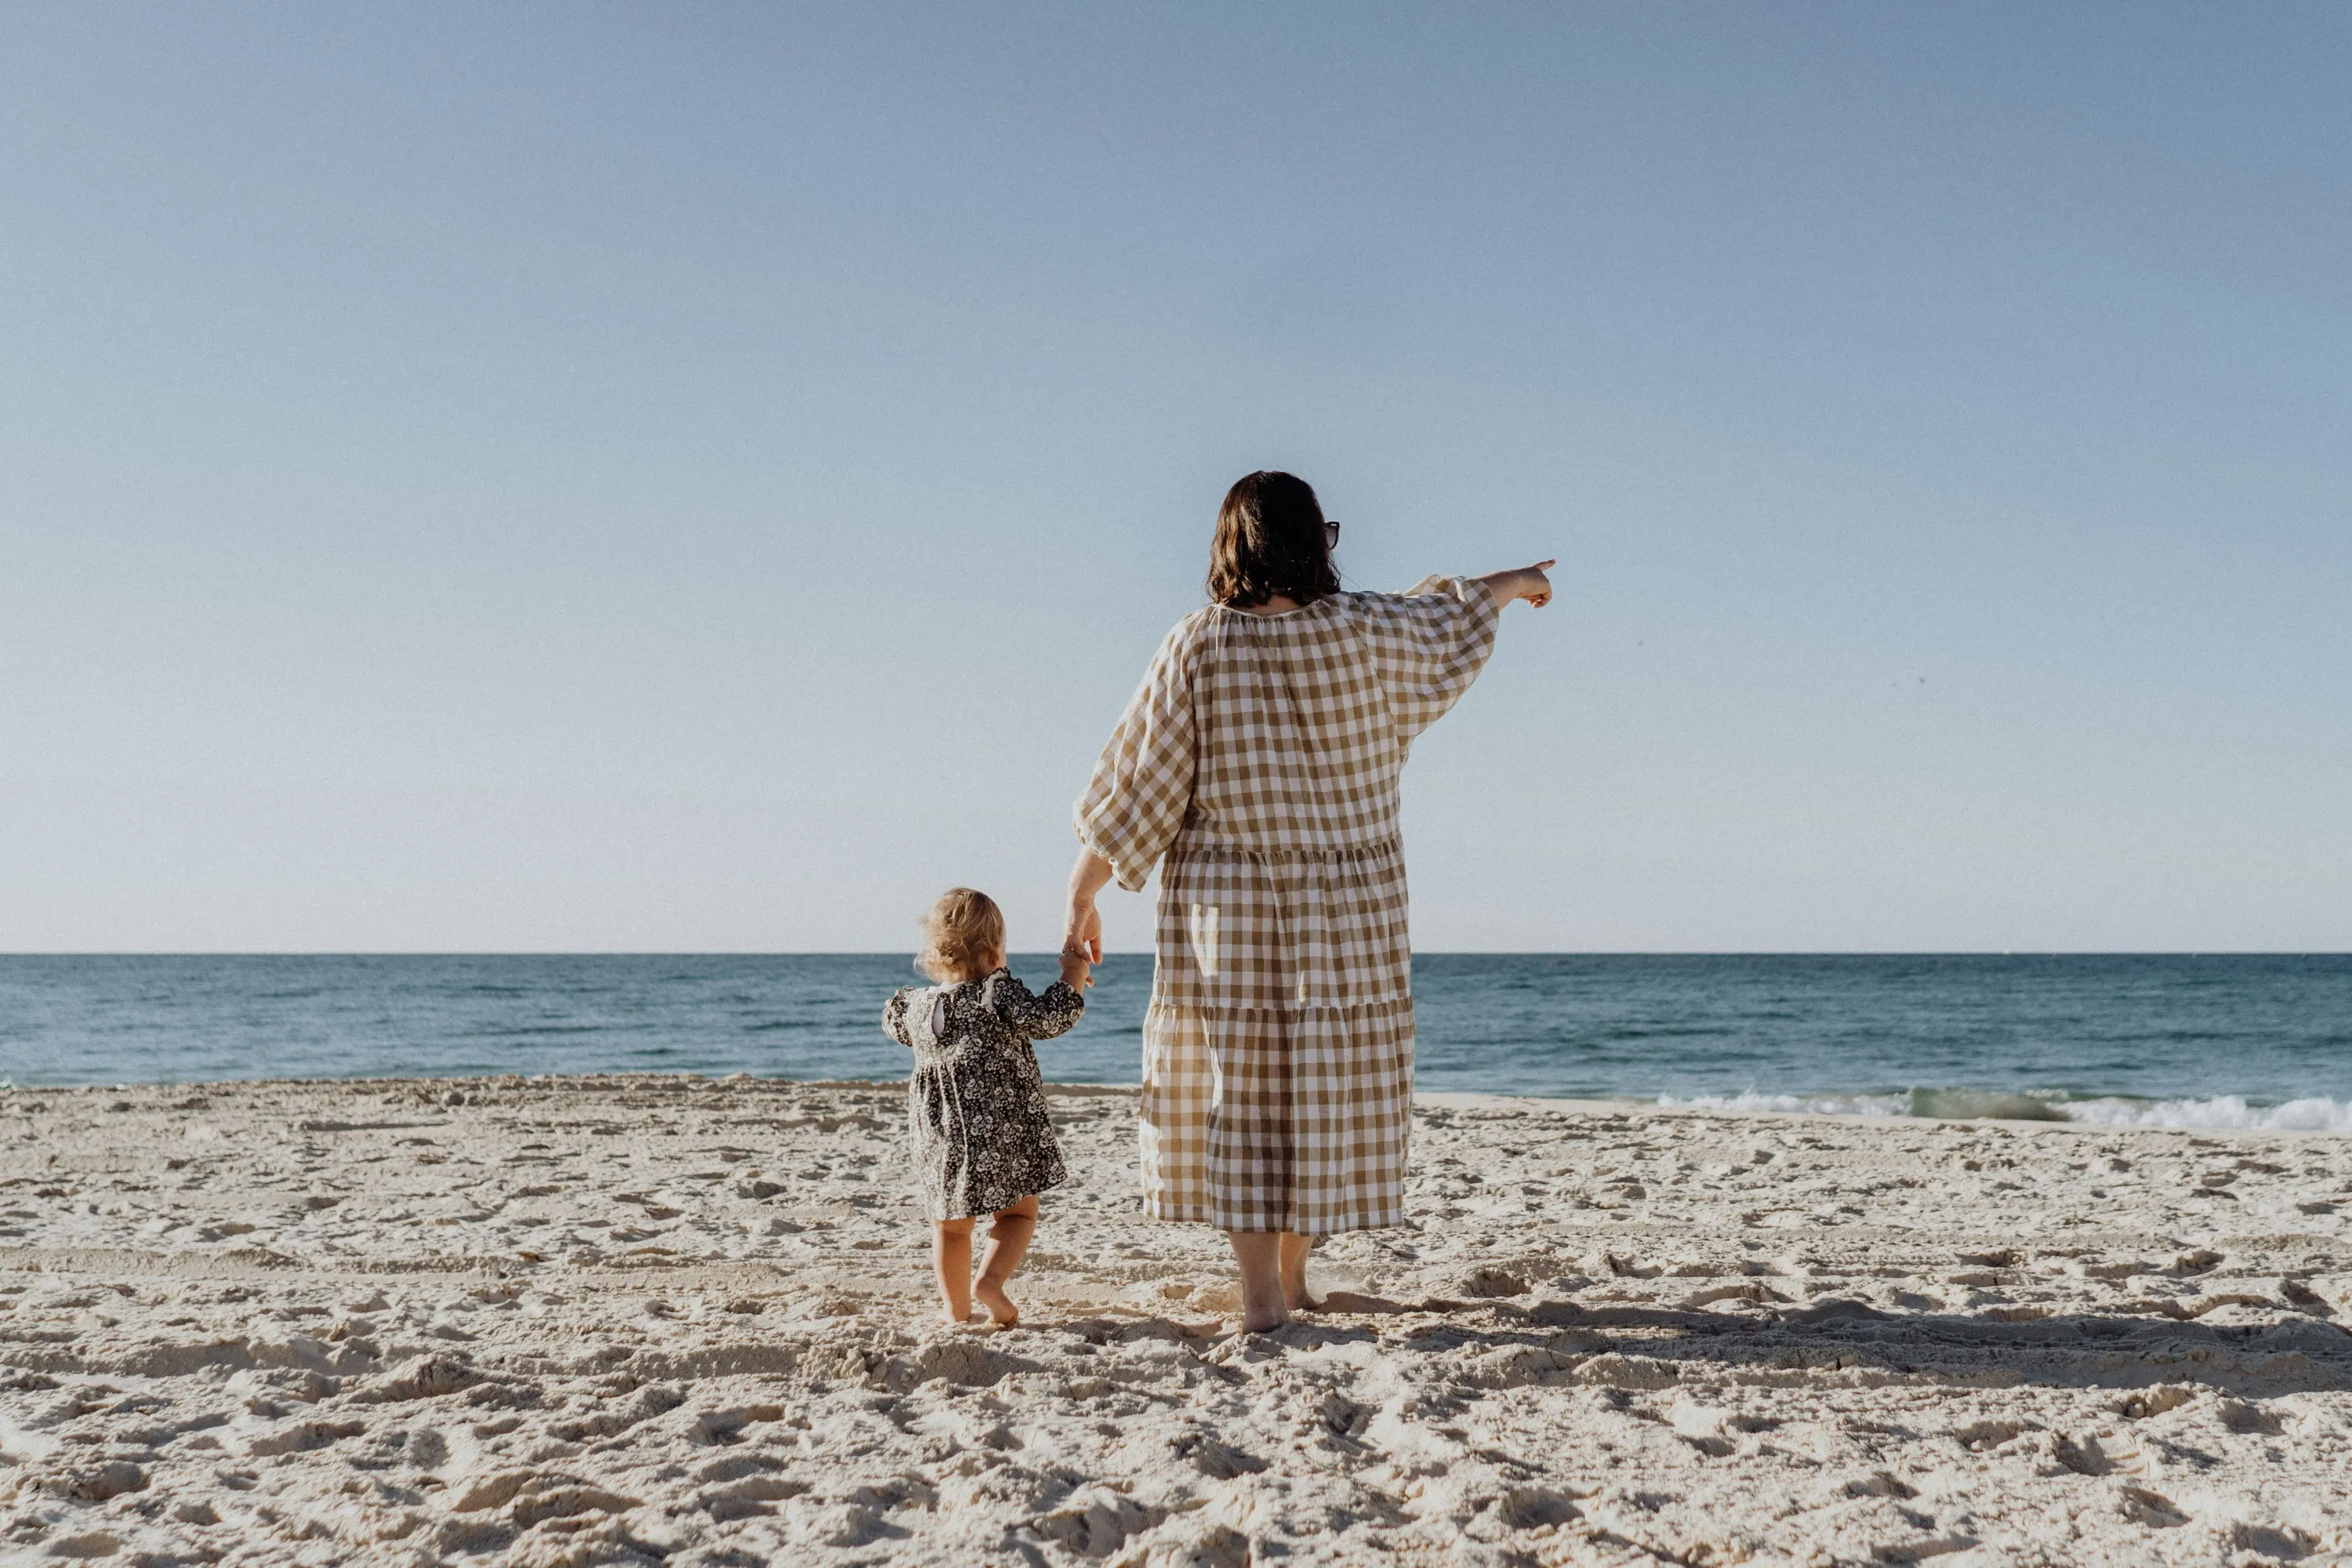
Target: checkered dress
{"type": "Point", "coordinates": [1261, 758]}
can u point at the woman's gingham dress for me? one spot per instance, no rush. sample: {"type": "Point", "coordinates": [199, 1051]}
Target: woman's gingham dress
{"type": "Point", "coordinates": [1261, 758]}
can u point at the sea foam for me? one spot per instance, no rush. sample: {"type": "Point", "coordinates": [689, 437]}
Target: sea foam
{"type": "Point", "coordinates": [2315, 1114]}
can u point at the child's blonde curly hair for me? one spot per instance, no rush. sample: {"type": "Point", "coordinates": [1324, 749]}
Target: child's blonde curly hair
{"type": "Point", "coordinates": [963, 933]}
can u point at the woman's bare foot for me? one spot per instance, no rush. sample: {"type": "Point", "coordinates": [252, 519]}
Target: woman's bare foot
{"type": "Point", "coordinates": [1263, 1310]}
{"type": "Point", "coordinates": [1259, 1253]}
{"type": "Point", "coordinates": [1293, 1274]}
{"type": "Point", "coordinates": [948, 1316]}
{"type": "Point", "coordinates": [1001, 1309]}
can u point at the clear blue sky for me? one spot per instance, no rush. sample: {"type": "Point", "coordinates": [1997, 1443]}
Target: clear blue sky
{"type": "Point", "coordinates": [703, 477]}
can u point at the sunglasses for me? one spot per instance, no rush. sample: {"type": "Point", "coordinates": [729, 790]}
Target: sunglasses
{"type": "Point", "coordinates": [1331, 534]}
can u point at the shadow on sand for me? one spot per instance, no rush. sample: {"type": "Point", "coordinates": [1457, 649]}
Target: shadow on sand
{"type": "Point", "coordinates": [1840, 1343]}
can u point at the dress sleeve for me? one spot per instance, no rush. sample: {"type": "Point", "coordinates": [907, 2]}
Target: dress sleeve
{"type": "Point", "coordinates": [1427, 645]}
{"type": "Point", "coordinates": [894, 1017]}
{"type": "Point", "coordinates": [1142, 785]}
{"type": "Point", "coordinates": [1038, 1015]}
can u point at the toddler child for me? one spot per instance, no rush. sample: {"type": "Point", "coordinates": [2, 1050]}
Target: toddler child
{"type": "Point", "coordinates": [983, 1144]}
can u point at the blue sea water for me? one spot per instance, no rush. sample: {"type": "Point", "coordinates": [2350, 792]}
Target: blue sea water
{"type": "Point", "coordinates": [2238, 1041]}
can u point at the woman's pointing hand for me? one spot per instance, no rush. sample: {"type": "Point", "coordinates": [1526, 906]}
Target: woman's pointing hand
{"type": "Point", "coordinates": [1528, 583]}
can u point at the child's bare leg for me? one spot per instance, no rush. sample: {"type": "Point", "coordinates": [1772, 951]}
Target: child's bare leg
{"type": "Point", "coordinates": [1008, 1242]}
{"type": "Point", "coordinates": [1294, 1274]}
{"type": "Point", "coordinates": [951, 1263]}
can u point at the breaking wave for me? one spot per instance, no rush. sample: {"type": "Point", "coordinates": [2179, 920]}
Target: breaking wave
{"type": "Point", "coordinates": [2317, 1113]}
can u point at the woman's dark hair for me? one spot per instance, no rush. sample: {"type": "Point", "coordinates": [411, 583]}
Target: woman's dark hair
{"type": "Point", "coordinates": [1270, 543]}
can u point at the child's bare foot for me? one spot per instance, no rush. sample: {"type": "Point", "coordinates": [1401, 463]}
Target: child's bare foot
{"type": "Point", "coordinates": [1008, 1240]}
{"type": "Point", "coordinates": [1001, 1309]}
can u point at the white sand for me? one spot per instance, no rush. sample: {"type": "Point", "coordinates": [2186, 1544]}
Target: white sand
{"type": "Point", "coordinates": [655, 1320]}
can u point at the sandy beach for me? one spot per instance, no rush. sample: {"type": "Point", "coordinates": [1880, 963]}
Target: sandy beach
{"type": "Point", "coordinates": [659, 1319]}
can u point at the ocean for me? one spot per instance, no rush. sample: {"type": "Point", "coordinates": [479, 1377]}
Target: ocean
{"type": "Point", "coordinates": [2242, 1040]}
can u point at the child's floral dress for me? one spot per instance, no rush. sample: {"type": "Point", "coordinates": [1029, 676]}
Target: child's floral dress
{"type": "Point", "coordinates": [976, 1101]}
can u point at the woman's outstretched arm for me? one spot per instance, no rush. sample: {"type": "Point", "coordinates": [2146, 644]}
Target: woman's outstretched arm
{"type": "Point", "coordinates": [1528, 583]}
{"type": "Point", "coordinates": [1082, 930]}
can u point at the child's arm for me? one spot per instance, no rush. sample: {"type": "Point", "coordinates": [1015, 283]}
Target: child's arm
{"type": "Point", "coordinates": [1039, 1017]}
{"type": "Point", "coordinates": [894, 1017]}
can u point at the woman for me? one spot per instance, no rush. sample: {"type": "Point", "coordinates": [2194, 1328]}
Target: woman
{"type": "Point", "coordinates": [1261, 757]}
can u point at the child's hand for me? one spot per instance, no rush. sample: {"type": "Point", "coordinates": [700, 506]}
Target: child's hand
{"type": "Point", "coordinates": [1076, 972]}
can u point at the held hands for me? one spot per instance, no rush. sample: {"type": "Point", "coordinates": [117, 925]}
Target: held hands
{"type": "Point", "coordinates": [1081, 943]}
{"type": "Point", "coordinates": [1082, 929]}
